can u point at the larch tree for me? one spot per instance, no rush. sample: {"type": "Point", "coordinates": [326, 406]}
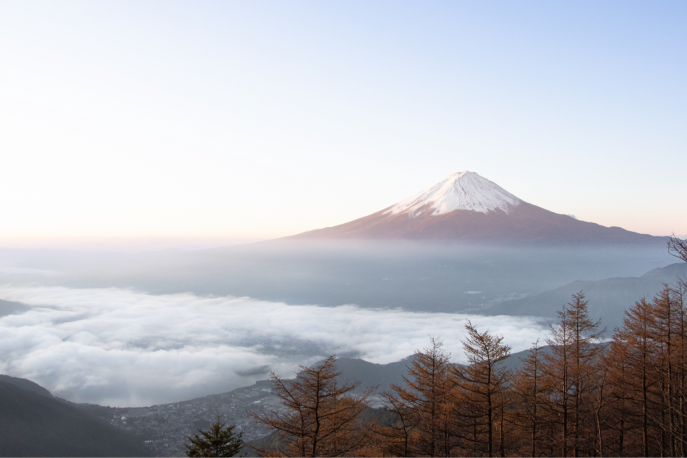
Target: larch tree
{"type": "Point", "coordinates": [483, 390]}
{"type": "Point", "coordinates": [571, 370]}
{"type": "Point", "coordinates": [632, 379]}
{"type": "Point", "coordinates": [530, 393]}
{"type": "Point", "coordinates": [321, 417]}
{"type": "Point", "coordinates": [397, 437]}
{"type": "Point", "coordinates": [670, 335]}
{"type": "Point", "coordinates": [429, 394]}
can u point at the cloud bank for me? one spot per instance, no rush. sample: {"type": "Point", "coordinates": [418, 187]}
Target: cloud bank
{"type": "Point", "coordinates": [121, 347]}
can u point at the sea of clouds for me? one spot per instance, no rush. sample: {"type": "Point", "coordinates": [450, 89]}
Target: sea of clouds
{"type": "Point", "coordinates": [122, 347]}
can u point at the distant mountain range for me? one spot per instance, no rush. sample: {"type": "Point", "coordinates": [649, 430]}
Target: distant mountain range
{"type": "Point", "coordinates": [467, 207]}
{"type": "Point", "coordinates": [608, 298]}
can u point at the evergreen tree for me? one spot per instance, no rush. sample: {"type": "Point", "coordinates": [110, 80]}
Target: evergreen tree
{"type": "Point", "coordinates": [220, 440]}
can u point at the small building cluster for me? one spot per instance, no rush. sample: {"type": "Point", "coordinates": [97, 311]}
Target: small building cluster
{"type": "Point", "coordinates": [165, 428]}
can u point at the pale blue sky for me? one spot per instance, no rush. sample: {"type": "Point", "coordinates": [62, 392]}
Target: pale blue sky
{"type": "Point", "coordinates": [260, 119]}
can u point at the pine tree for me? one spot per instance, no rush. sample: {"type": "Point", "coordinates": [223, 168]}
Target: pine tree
{"type": "Point", "coordinates": [220, 440]}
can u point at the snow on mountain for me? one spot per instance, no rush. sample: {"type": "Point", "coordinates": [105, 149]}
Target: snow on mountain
{"type": "Point", "coordinates": [458, 191]}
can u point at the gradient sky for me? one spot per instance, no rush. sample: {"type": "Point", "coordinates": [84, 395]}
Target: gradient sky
{"type": "Point", "coordinates": [259, 119]}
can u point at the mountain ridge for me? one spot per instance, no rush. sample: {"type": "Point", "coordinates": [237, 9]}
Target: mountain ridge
{"type": "Point", "coordinates": [608, 298]}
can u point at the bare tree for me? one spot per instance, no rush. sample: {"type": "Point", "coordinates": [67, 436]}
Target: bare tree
{"type": "Point", "coordinates": [678, 247]}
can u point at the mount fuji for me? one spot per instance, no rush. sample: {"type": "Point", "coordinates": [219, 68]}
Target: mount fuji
{"type": "Point", "coordinates": [467, 207]}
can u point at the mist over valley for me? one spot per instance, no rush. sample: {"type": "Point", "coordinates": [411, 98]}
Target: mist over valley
{"type": "Point", "coordinates": [106, 328]}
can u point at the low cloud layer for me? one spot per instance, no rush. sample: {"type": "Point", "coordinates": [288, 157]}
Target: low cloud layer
{"type": "Point", "coordinates": [121, 347]}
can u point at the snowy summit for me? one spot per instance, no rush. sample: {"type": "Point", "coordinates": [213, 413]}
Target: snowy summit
{"type": "Point", "coordinates": [458, 191]}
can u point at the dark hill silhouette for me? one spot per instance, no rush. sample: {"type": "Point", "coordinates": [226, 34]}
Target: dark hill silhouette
{"type": "Point", "coordinates": [27, 385]}
{"type": "Point", "coordinates": [35, 424]}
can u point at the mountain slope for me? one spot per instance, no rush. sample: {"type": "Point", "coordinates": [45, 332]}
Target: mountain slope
{"type": "Point", "coordinates": [26, 385]}
{"type": "Point", "coordinates": [468, 207]}
{"type": "Point", "coordinates": [33, 424]}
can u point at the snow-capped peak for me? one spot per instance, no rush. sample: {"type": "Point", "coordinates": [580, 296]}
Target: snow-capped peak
{"type": "Point", "coordinates": [458, 191]}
